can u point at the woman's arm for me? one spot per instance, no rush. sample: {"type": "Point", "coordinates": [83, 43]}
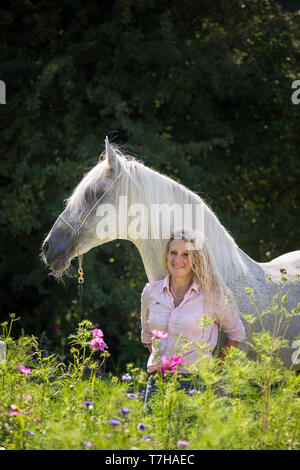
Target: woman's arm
{"type": "Point", "coordinates": [229, 320]}
{"type": "Point", "coordinates": [146, 335]}
{"type": "Point", "coordinates": [149, 346]}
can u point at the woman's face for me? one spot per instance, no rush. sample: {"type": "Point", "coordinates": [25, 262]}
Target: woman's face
{"type": "Point", "coordinates": [178, 260]}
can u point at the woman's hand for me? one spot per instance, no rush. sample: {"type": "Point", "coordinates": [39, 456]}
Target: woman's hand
{"type": "Point", "coordinates": [149, 346]}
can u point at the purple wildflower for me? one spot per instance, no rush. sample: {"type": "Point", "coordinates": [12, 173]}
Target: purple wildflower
{"type": "Point", "coordinates": [89, 404]}
{"type": "Point", "coordinates": [191, 392]}
{"type": "Point", "coordinates": [88, 444]}
{"type": "Point", "coordinates": [126, 377]}
{"type": "Point", "coordinates": [114, 422]}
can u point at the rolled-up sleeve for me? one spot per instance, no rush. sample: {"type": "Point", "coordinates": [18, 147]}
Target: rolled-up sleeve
{"type": "Point", "coordinates": [146, 336]}
{"type": "Point", "coordinates": [227, 316]}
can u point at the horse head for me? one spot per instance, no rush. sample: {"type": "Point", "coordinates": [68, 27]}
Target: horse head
{"type": "Point", "coordinates": [75, 230]}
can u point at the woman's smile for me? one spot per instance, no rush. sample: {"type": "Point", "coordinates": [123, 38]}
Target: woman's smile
{"type": "Point", "coordinates": [178, 259]}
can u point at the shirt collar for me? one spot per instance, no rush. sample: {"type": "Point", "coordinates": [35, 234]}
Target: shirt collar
{"type": "Point", "coordinates": [166, 285]}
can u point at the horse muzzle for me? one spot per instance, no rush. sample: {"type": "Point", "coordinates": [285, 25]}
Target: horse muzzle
{"type": "Point", "coordinates": [57, 255]}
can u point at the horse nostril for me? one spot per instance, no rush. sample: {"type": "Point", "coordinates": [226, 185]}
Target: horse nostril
{"type": "Point", "coordinates": [45, 247]}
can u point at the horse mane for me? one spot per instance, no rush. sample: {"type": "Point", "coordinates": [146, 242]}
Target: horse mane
{"type": "Point", "coordinates": [148, 186]}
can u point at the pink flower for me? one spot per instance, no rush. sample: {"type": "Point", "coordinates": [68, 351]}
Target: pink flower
{"type": "Point", "coordinates": [97, 333]}
{"type": "Point", "coordinates": [159, 334]}
{"type": "Point", "coordinates": [169, 364]}
{"type": "Point", "coordinates": [27, 397]}
{"type": "Point", "coordinates": [182, 444]}
{"type": "Point", "coordinates": [173, 362]}
{"type": "Point", "coordinates": [56, 328]}
{"type": "Point", "coordinates": [98, 343]}
{"type": "Point", "coordinates": [14, 411]}
{"type": "Point", "coordinates": [23, 369]}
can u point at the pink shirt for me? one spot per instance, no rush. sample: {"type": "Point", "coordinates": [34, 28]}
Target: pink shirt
{"type": "Point", "coordinates": [158, 312]}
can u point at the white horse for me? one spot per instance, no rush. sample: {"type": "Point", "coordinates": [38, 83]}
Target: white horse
{"type": "Point", "coordinates": [116, 199]}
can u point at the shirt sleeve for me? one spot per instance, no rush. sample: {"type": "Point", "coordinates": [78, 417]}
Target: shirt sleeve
{"type": "Point", "coordinates": [227, 316]}
{"type": "Point", "coordinates": [146, 335]}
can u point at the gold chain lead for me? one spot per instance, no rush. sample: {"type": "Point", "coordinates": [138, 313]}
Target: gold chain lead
{"type": "Point", "coordinates": [81, 278]}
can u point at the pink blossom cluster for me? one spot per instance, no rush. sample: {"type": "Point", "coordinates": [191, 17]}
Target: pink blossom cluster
{"type": "Point", "coordinates": [14, 411]}
{"type": "Point", "coordinates": [23, 369]}
{"type": "Point", "coordinates": [159, 334]}
{"type": "Point", "coordinates": [182, 444]}
{"type": "Point", "coordinates": [97, 341]}
{"type": "Point", "coordinates": [169, 365]}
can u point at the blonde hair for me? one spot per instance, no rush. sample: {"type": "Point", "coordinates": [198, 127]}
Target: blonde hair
{"type": "Point", "coordinates": [202, 264]}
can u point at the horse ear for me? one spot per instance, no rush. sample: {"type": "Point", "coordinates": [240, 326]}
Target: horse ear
{"type": "Point", "coordinates": [110, 155]}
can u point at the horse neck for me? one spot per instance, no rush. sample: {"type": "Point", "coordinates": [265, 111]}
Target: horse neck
{"type": "Point", "coordinates": [150, 252]}
{"type": "Point", "coordinates": [228, 256]}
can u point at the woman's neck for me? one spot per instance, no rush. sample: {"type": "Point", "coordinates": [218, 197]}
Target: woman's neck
{"type": "Point", "coordinates": [180, 284]}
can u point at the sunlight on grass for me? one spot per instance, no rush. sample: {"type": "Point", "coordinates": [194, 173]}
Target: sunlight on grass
{"type": "Point", "coordinates": [241, 404]}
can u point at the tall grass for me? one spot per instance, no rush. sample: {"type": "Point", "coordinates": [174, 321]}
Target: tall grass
{"type": "Point", "coordinates": [241, 403]}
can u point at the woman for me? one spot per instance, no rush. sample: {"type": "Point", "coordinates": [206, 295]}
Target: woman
{"type": "Point", "coordinates": [191, 293]}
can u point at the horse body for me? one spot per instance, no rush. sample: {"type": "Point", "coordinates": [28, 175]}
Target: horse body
{"type": "Point", "coordinates": [142, 187]}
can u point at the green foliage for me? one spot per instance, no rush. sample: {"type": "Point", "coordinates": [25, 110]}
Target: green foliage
{"type": "Point", "coordinates": [199, 92]}
{"type": "Point", "coordinates": [239, 404]}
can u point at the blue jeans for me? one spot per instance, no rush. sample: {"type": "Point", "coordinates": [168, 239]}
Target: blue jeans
{"type": "Point", "coordinates": [187, 382]}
